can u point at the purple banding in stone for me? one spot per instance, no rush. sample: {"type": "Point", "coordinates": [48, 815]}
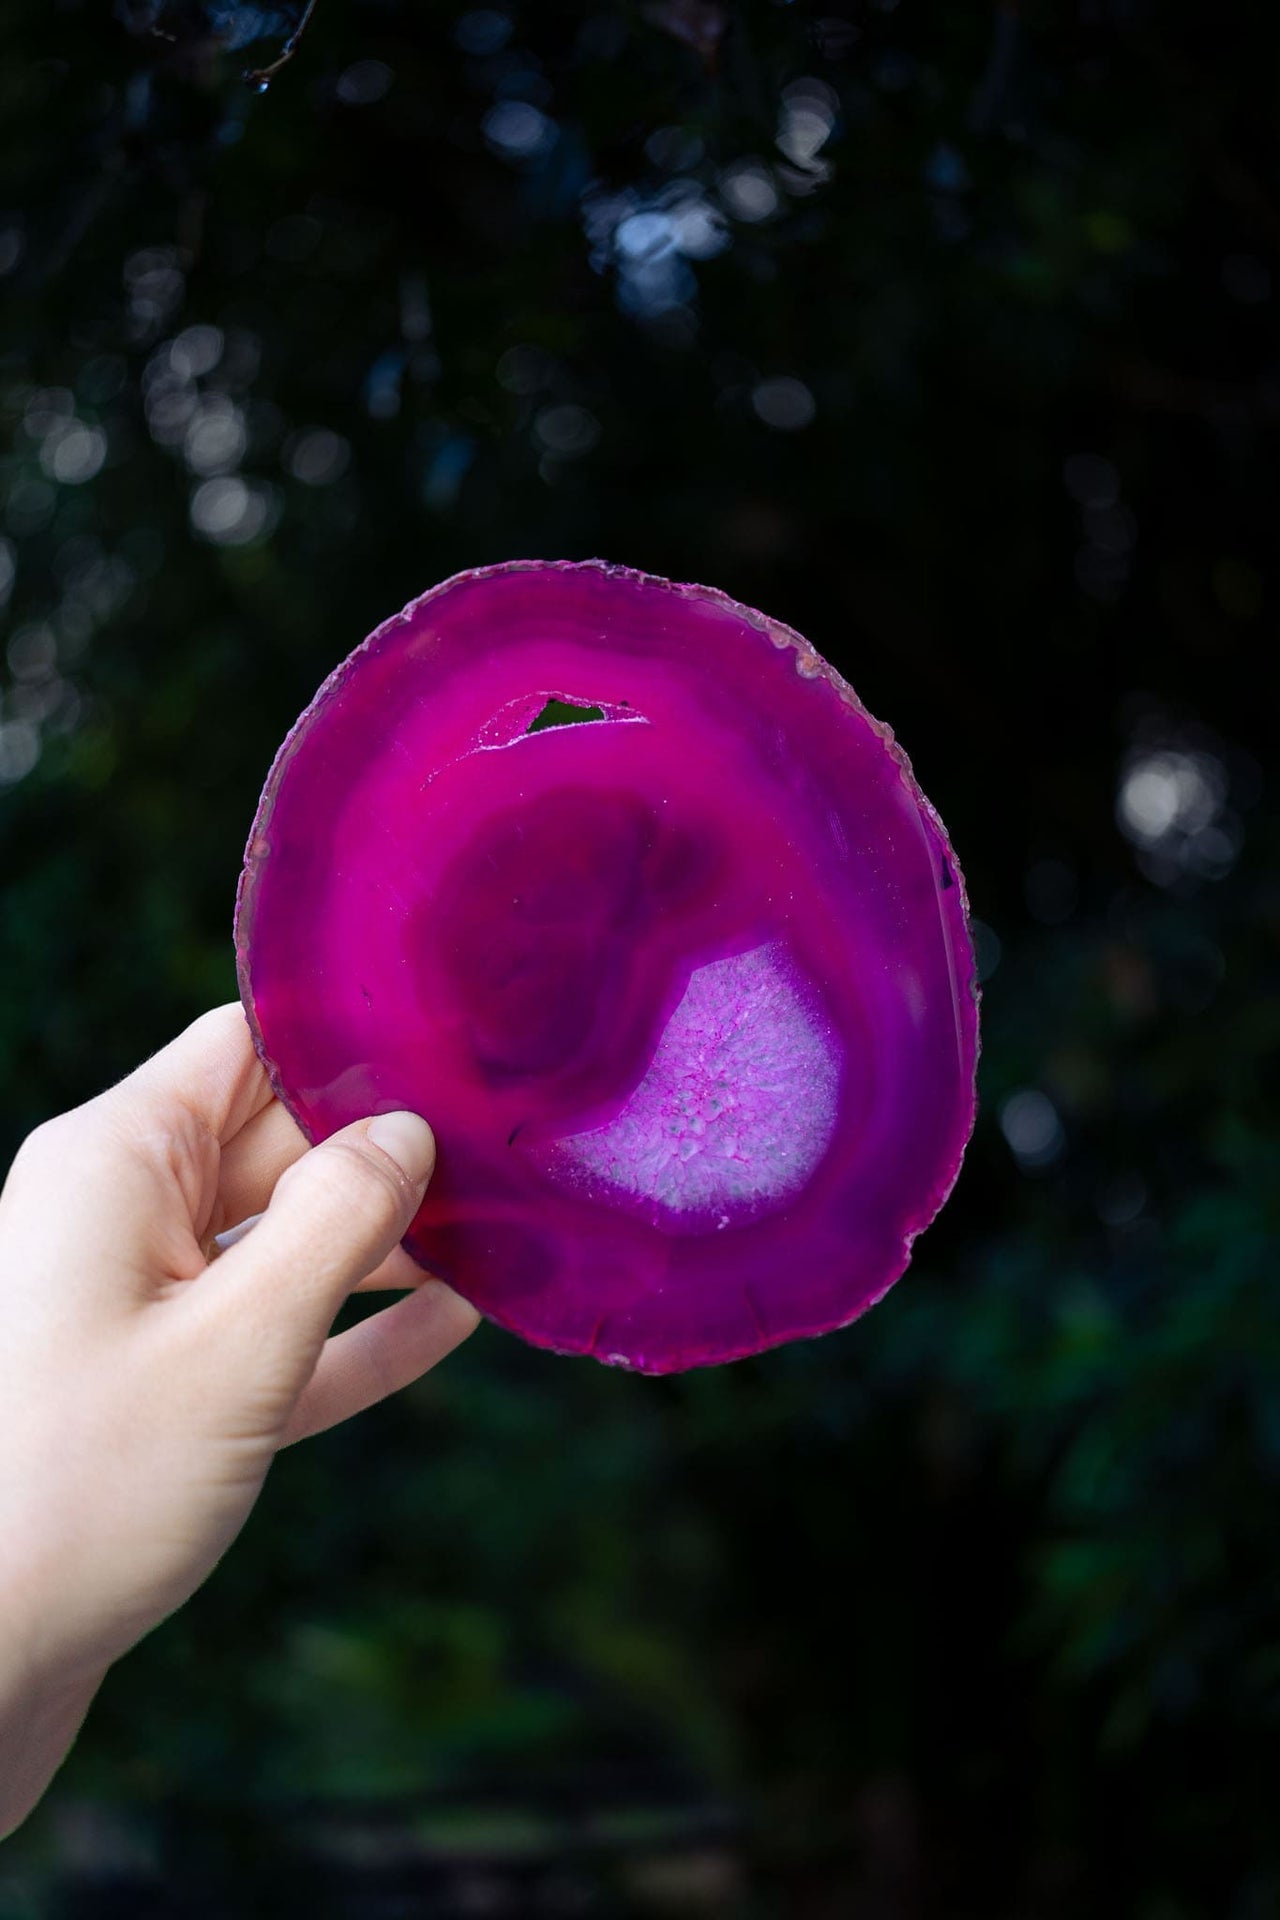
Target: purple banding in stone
{"type": "Point", "coordinates": [686, 990]}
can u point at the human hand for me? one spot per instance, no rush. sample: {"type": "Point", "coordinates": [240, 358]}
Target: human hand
{"type": "Point", "coordinates": [147, 1379]}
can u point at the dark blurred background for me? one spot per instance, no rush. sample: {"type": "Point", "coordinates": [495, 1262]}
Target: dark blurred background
{"type": "Point", "coordinates": [947, 334]}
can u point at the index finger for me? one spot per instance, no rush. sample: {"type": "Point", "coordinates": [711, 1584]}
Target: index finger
{"type": "Point", "coordinates": [211, 1070]}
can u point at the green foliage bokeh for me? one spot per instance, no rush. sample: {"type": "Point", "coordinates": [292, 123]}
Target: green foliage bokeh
{"type": "Point", "coordinates": [973, 1609]}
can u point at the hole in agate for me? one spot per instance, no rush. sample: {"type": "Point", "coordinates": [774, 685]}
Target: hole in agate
{"type": "Point", "coordinates": [563, 713]}
{"type": "Point", "coordinates": [538, 712]}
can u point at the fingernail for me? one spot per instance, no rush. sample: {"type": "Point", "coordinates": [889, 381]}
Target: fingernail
{"type": "Point", "coordinates": [407, 1140]}
{"type": "Point", "coordinates": [235, 1234]}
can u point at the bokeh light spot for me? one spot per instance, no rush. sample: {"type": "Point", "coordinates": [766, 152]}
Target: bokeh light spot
{"type": "Point", "coordinates": [229, 511]}
{"type": "Point", "coordinates": [196, 351]}
{"type": "Point", "coordinates": [364, 82]}
{"type": "Point", "coordinates": [483, 30]}
{"type": "Point", "coordinates": [783, 403]}
{"type": "Point", "coordinates": [19, 750]}
{"type": "Point", "coordinates": [568, 431]}
{"type": "Point", "coordinates": [216, 436]}
{"type": "Point", "coordinates": [1030, 1124]}
{"type": "Point", "coordinates": [316, 456]}
{"type": "Point", "coordinates": [517, 130]}
{"type": "Point", "coordinates": [748, 191]}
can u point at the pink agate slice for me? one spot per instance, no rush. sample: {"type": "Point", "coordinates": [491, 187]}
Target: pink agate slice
{"type": "Point", "coordinates": [686, 990]}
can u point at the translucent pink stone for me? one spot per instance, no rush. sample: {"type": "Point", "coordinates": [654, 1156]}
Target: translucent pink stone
{"type": "Point", "coordinates": [686, 991]}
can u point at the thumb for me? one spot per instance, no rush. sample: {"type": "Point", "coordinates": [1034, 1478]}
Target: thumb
{"type": "Point", "coordinates": [334, 1215]}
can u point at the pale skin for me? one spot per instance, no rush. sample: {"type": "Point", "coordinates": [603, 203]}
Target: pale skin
{"type": "Point", "coordinates": [149, 1376]}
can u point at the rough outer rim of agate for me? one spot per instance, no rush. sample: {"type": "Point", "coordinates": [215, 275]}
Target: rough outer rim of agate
{"type": "Point", "coordinates": [810, 665]}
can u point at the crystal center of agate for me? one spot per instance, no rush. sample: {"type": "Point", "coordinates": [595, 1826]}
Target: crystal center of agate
{"type": "Point", "coordinates": [735, 1111]}
{"type": "Point", "coordinates": [685, 988]}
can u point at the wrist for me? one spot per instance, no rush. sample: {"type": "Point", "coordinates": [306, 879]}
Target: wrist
{"type": "Point", "coordinates": [45, 1692]}
{"type": "Point", "coordinates": [64, 1570]}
